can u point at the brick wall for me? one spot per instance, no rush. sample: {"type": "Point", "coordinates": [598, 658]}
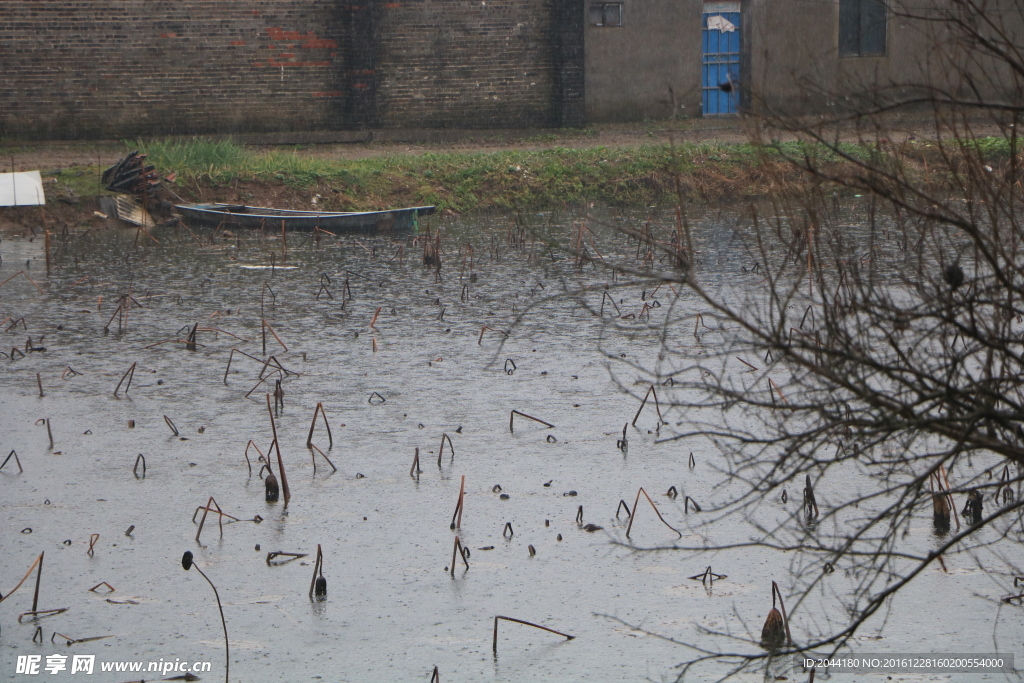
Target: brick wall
{"type": "Point", "coordinates": [112, 68]}
{"type": "Point", "coordinates": [86, 68]}
{"type": "Point", "coordinates": [467, 63]}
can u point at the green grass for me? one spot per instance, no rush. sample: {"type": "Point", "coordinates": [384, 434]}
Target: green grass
{"type": "Point", "coordinates": [462, 182]}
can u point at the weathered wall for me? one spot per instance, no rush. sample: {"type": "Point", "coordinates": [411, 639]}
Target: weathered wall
{"type": "Point", "coordinates": [796, 67]}
{"type": "Point", "coordinates": [790, 62]}
{"type": "Point", "coordinates": [114, 68]}
{"type": "Point", "coordinates": [634, 71]}
{"type": "Point", "coordinates": [467, 63]}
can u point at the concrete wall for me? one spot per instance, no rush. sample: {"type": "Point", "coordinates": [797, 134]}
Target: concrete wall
{"type": "Point", "coordinates": [808, 76]}
{"type": "Point", "coordinates": [633, 71]}
{"type": "Point", "coordinates": [791, 61]}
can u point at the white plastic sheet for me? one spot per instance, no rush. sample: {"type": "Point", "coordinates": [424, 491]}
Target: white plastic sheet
{"type": "Point", "coordinates": [21, 189]}
{"type": "Point", "coordinates": [721, 23]}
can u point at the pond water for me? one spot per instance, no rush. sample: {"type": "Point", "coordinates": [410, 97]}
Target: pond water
{"type": "Point", "coordinates": [397, 359]}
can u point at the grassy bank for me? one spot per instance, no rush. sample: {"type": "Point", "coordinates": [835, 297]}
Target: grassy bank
{"type": "Point", "coordinates": [468, 181]}
{"type": "Point", "coordinates": [221, 170]}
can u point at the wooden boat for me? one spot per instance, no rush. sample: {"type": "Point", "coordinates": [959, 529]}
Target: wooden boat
{"type": "Point", "coordinates": [272, 219]}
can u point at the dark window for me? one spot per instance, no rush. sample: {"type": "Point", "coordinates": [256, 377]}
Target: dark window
{"type": "Point", "coordinates": [861, 28]}
{"type": "Point", "coordinates": [606, 14]}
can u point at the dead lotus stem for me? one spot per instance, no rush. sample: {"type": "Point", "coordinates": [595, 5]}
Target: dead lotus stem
{"type": "Point", "coordinates": [771, 633]}
{"type": "Point", "coordinates": [809, 501]}
{"type": "Point", "coordinates": [633, 516]}
{"type": "Point", "coordinates": [212, 506]}
{"type": "Point", "coordinates": [436, 676]}
{"type": "Point", "coordinates": [606, 296]}
{"type": "Point", "coordinates": [373, 322]}
{"type": "Point", "coordinates": [457, 515]}
{"type": "Point", "coordinates": [415, 469]}
{"type": "Point", "coordinates": [746, 363]}
{"type": "Point", "coordinates": [280, 369]}
{"type": "Point", "coordinates": [73, 641]}
{"type": "Point", "coordinates": [38, 566]}
{"type": "Point", "coordinates": [42, 613]}
{"type": "Point", "coordinates": [525, 623]}
{"type": "Point", "coordinates": [129, 374]}
{"type": "Point", "coordinates": [207, 508]}
{"type": "Point", "coordinates": [246, 454]}
{"type": "Point", "coordinates": [267, 326]}
{"type": "Point", "coordinates": [258, 360]}
{"type": "Point", "coordinates": [135, 470]}
{"type": "Point", "coordinates": [318, 584]}
{"type": "Point", "coordinates": [512, 415]}
{"type": "Point", "coordinates": [280, 461]}
{"type": "Point", "coordinates": [39, 381]}
{"type": "Point", "coordinates": [227, 369]}
{"type": "Point", "coordinates": [458, 549]}
{"type": "Point", "coordinates": [319, 410]}
{"type": "Point", "coordinates": [119, 309]}
{"type": "Point", "coordinates": [777, 390]}
{"type": "Point", "coordinates": [271, 556]}
{"type": "Point", "coordinates": [93, 538]}
{"type": "Point", "coordinates": [313, 447]}
{"type": "Point", "coordinates": [261, 381]}
{"type": "Point", "coordinates": [492, 329]}
{"type": "Point", "coordinates": [650, 392]}
{"type": "Point", "coordinates": [440, 451]}
{"type": "Point", "coordinates": [17, 462]}
{"type": "Point", "coordinates": [707, 575]}
{"type": "Point", "coordinates": [23, 273]}
{"type": "Point", "coordinates": [943, 478]}
{"type": "Point", "coordinates": [170, 423]}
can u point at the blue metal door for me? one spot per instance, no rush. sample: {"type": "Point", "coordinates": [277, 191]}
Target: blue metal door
{"type": "Point", "coordinates": [720, 67]}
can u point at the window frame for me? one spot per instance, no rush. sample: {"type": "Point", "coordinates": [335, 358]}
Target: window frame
{"type": "Point", "coordinates": [603, 7]}
{"type": "Point", "coordinates": [863, 28]}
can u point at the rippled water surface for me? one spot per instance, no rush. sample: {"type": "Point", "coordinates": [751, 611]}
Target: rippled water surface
{"type": "Point", "coordinates": [422, 369]}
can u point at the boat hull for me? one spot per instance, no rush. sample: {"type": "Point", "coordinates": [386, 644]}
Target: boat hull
{"type": "Point", "coordinates": [394, 220]}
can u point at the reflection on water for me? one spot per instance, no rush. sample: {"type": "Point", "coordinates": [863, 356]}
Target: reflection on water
{"type": "Point", "coordinates": [398, 356]}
